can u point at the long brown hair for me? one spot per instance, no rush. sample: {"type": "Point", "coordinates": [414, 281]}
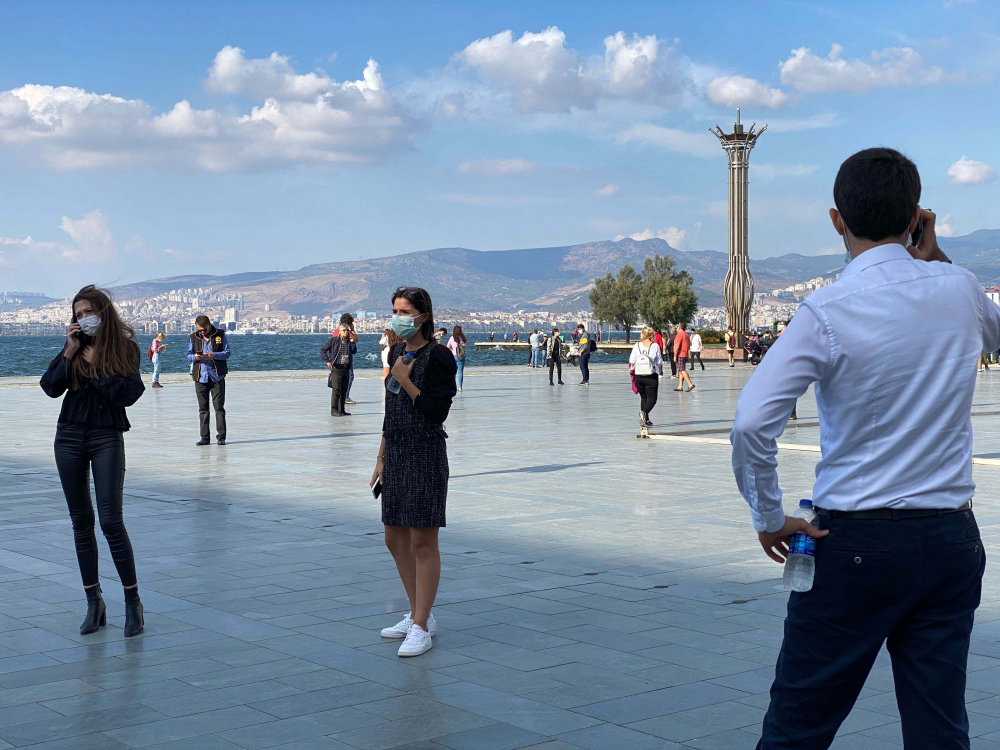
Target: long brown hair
{"type": "Point", "coordinates": [456, 333]}
{"type": "Point", "coordinates": [391, 339]}
{"type": "Point", "coordinates": [115, 349]}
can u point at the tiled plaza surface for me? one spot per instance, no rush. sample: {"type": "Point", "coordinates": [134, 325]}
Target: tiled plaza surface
{"type": "Point", "coordinates": [598, 591]}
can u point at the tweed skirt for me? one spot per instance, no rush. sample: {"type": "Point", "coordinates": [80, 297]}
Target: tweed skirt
{"type": "Point", "coordinates": [415, 483]}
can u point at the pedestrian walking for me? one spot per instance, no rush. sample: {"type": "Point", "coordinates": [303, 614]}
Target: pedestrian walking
{"type": "Point", "coordinates": [412, 467]}
{"type": "Point", "coordinates": [338, 353]}
{"type": "Point", "coordinates": [731, 345]}
{"type": "Point", "coordinates": [587, 345]}
{"type": "Point", "coordinates": [646, 363]}
{"type": "Point", "coordinates": [554, 352]}
{"type": "Point", "coordinates": [682, 346]}
{"type": "Point", "coordinates": [898, 554]}
{"type": "Point", "coordinates": [208, 353]}
{"type": "Point", "coordinates": [491, 336]}
{"type": "Point", "coordinates": [98, 371]}
{"type": "Point", "coordinates": [348, 320]}
{"type": "Point", "coordinates": [671, 356]}
{"type": "Point", "coordinates": [156, 349]}
{"type": "Point", "coordinates": [457, 344]}
{"type": "Point", "coordinates": [696, 350]}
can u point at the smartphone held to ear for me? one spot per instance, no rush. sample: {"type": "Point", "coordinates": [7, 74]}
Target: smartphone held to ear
{"type": "Point", "coordinates": [377, 488]}
{"type": "Point", "coordinates": [918, 233]}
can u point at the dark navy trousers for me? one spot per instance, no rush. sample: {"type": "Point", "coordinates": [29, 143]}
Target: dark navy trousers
{"type": "Point", "coordinates": [911, 583]}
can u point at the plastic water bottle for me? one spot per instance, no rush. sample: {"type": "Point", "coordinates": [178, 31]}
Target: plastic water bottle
{"type": "Point", "coordinates": [393, 385]}
{"type": "Point", "coordinates": [801, 562]}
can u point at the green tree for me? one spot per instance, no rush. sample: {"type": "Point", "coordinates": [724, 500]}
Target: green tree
{"type": "Point", "coordinates": [615, 300]}
{"type": "Point", "coordinates": [666, 295]}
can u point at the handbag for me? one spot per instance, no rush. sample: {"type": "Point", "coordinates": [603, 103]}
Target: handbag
{"type": "Point", "coordinates": [329, 380]}
{"type": "Point", "coordinates": [631, 373]}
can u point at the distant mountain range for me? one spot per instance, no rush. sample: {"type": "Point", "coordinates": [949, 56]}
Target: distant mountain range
{"type": "Point", "coordinates": [553, 278]}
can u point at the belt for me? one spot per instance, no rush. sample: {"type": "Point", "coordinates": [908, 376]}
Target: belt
{"type": "Point", "coordinates": [888, 514]}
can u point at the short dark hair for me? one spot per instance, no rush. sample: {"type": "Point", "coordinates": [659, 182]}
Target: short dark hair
{"type": "Point", "coordinates": [421, 300]}
{"type": "Point", "coordinates": [346, 320]}
{"type": "Point", "coordinates": [684, 326]}
{"type": "Point", "coordinates": [876, 191]}
{"type": "Point", "coordinates": [203, 321]}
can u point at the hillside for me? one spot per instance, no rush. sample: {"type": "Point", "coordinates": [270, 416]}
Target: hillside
{"type": "Point", "coordinates": [556, 278]}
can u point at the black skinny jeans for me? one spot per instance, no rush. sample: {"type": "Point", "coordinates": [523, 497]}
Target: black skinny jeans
{"type": "Point", "coordinates": [648, 385]}
{"type": "Point", "coordinates": [80, 449]}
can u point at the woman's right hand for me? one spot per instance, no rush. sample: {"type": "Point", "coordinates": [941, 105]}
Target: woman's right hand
{"type": "Point", "coordinates": [377, 474]}
{"type": "Point", "coordinates": [72, 342]}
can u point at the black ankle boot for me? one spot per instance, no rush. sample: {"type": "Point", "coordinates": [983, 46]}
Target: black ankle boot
{"type": "Point", "coordinates": [96, 611]}
{"type": "Point", "coordinates": [133, 613]}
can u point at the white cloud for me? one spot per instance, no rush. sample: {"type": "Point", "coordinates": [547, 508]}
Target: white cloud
{"type": "Point", "coordinates": [541, 74]}
{"type": "Point", "coordinates": [970, 172]}
{"type": "Point", "coordinates": [769, 172]}
{"type": "Point", "coordinates": [679, 141]}
{"type": "Point", "coordinates": [93, 242]}
{"type": "Point", "coordinates": [497, 167]}
{"type": "Point", "coordinates": [943, 226]}
{"type": "Point", "coordinates": [673, 236]}
{"type": "Point", "coordinates": [813, 122]}
{"type": "Point", "coordinates": [740, 91]}
{"type": "Point", "coordinates": [302, 120]}
{"type": "Point", "coordinates": [233, 73]}
{"type": "Point", "coordinates": [893, 66]}
{"type": "Point", "coordinates": [607, 191]}
{"type": "Point", "coordinates": [836, 248]}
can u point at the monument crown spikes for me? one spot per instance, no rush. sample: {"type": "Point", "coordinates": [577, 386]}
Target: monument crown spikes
{"type": "Point", "coordinates": [739, 283]}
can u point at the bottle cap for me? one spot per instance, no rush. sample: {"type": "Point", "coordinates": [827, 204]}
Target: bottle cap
{"type": "Point", "coordinates": [805, 503]}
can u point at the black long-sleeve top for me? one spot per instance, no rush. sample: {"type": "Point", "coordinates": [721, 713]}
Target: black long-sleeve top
{"type": "Point", "coordinates": [98, 402]}
{"type": "Point", "coordinates": [436, 391]}
{"type": "Point", "coordinates": [330, 351]}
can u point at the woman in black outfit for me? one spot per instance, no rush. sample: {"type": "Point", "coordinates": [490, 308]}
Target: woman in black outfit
{"type": "Point", "coordinates": [98, 370]}
{"type": "Point", "coordinates": [413, 462]}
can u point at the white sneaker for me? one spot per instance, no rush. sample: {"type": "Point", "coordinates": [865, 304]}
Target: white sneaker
{"type": "Point", "coordinates": [401, 628]}
{"type": "Point", "coordinates": [418, 641]}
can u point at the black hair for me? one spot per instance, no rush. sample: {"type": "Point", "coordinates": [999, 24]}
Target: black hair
{"type": "Point", "coordinates": [346, 319]}
{"type": "Point", "coordinates": [421, 300]}
{"type": "Point", "coordinates": [877, 191]}
{"type": "Point", "coordinates": [203, 321]}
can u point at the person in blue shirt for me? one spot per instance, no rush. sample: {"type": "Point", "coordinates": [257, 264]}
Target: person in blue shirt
{"type": "Point", "coordinates": [208, 353]}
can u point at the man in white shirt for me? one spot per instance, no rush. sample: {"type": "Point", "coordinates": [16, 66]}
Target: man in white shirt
{"type": "Point", "coordinates": [898, 555]}
{"type": "Point", "coordinates": [535, 341]}
{"type": "Point", "coordinates": [696, 349]}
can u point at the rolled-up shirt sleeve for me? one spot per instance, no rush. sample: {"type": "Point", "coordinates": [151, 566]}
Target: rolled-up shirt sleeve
{"type": "Point", "coordinates": [801, 356]}
{"type": "Point", "coordinates": [991, 322]}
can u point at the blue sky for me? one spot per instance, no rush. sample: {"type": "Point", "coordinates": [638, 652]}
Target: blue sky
{"type": "Point", "coordinates": [140, 140]}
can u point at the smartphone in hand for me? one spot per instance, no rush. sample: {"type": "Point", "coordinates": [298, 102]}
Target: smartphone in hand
{"type": "Point", "coordinates": [377, 488]}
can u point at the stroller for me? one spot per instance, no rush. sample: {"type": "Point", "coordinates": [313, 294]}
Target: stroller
{"type": "Point", "coordinates": [756, 349]}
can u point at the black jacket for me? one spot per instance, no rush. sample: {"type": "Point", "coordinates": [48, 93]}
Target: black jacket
{"type": "Point", "coordinates": [98, 402]}
{"type": "Point", "coordinates": [330, 351]}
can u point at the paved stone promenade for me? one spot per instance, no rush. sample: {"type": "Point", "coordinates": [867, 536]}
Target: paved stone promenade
{"type": "Point", "coordinates": [598, 592]}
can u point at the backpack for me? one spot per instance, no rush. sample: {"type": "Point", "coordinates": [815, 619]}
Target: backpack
{"type": "Point", "coordinates": [149, 354]}
{"type": "Point", "coordinates": [731, 341]}
{"type": "Point", "coordinates": [592, 346]}
{"type": "Point", "coordinates": [643, 364]}
{"type": "Point", "coordinates": [460, 349]}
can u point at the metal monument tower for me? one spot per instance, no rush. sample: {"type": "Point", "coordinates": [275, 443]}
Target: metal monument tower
{"type": "Point", "coordinates": [739, 282]}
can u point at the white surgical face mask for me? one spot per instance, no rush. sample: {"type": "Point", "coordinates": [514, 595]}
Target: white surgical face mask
{"type": "Point", "coordinates": [847, 255]}
{"type": "Point", "coordinates": [90, 324]}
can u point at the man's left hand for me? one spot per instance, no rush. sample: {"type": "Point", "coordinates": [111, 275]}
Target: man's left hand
{"type": "Point", "coordinates": [775, 543]}
{"type": "Point", "coordinates": [208, 355]}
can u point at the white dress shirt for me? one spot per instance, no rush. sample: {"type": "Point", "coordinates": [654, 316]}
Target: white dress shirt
{"type": "Point", "coordinates": [892, 347]}
{"type": "Point", "coordinates": [654, 354]}
{"type": "Point", "coordinates": [695, 342]}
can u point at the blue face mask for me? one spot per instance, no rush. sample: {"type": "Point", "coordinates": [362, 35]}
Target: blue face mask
{"type": "Point", "coordinates": [404, 326]}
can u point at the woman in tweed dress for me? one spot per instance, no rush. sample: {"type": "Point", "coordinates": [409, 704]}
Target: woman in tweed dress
{"type": "Point", "coordinates": [413, 462]}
